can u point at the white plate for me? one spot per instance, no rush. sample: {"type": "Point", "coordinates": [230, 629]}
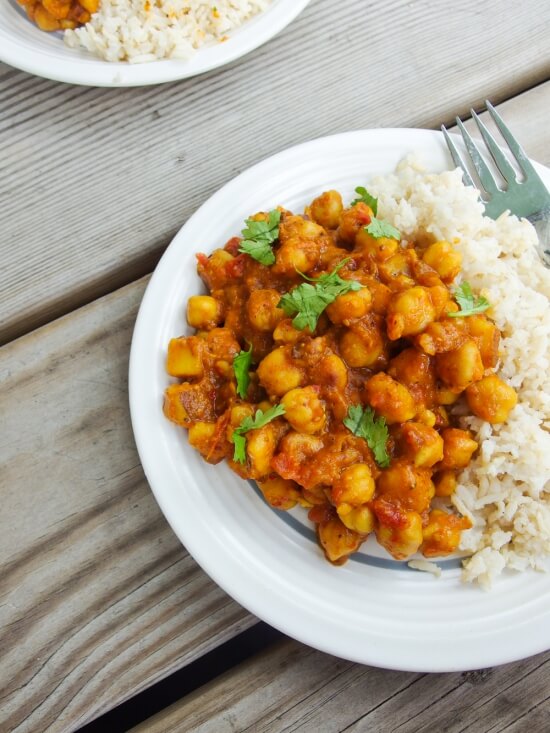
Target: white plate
{"type": "Point", "coordinates": [372, 610]}
{"type": "Point", "coordinates": [26, 47]}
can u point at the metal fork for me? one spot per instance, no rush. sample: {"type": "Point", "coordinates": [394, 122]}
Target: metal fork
{"type": "Point", "coordinates": [528, 198]}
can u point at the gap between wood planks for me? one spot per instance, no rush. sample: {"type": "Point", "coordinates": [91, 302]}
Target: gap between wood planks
{"type": "Point", "coordinates": [144, 265]}
{"type": "Point", "coordinates": [222, 659]}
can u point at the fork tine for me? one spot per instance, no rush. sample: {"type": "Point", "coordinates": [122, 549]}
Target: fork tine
{"type": "Point", "coordinates": [485, 175]}
{"type": "Point", "coordinates": [515, 147]}
{"type": "Point", "coordinates": [508, 173]}
{"type": "Point", "coordinates": [457, 158]}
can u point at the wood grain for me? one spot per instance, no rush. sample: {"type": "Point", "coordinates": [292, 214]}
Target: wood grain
{"type": "Point", "coordinates": [98, 599]}
{"type": "Point", "coordinates": [291, 687]}
{"type": "Point", "coordinates": [95, 182]}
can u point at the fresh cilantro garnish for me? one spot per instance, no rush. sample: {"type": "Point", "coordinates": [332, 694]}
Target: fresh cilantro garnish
{"type": "Point", "coordinates": [259, 236]}
{"type": "Point", "coordinates": [362, 423]}
{"type": "Point", "coordinates": [306, 302]}
{"type": "Point", "coordinates": [241, 366]}
{"type": "Point", "coordinates": [379, 228]}
{"type": "Point", "coordinates": [253, 423]}
{"type": "Point", "coordinates": [366, 198]}
{"type": "Point", "coordinates": [469, 304]}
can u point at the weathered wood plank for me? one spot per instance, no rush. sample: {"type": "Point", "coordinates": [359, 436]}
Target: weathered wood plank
{"type": "Point", "coordinates": [95, 182]}
{"type": "Point", "coordinates": [291, 687]}
{"type": "Point", "coordinates": [98, 599]}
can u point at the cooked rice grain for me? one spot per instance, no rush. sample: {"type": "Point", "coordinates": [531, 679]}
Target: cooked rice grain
{"type": "Point", "coordinates": [148, 30]}
{"type": "Point", "coordinates": [506, 488]}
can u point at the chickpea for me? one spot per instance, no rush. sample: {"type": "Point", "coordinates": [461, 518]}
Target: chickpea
{"type": "Point", "coordinates": [396, 270]}
{"type": "Point", "coordinates": [315, 496]}
{"type": "Point", "coordinates": [204, 312]}
{"type": "Point", "coordinates": [238, 413]}
{"type": "Point", "coordinates": [352, 305]}
{"type": "Point", "coordinates": [327, 208]}
{"type": "Point", "coordinates": [285, 333]}
{"type": "Point", "coordinates": [426, 417]}
{"type": "Point", "coordinates": [332, 372]}
{"type": "Point", "coordinates": [441, 336]}
{"type": "Point", "coordinates": [491, 399]}
{"type": "Point", "coordinates": [445, 483]}
{"type": "Point", "coordinates": [295, 450]}
{"type": "Point", "coordinates": [352, 221]}
{"type": "Point", "coordinates": [458, 448]}
{"type": "Point", "coordinates": [296, 227]}
{"type": "Point", "coordinates": [337, 540]}
{"type": "Point", "coordinates": [45, 20]}
{"type": "Point", "coordinates": [380, 293]}
{"type": "Point", "coordinates": [441, 300]}
{"type": "Point", "coordinates": [362, 345]}
{"type": "Point", "coordinates": [421, 444]}
{"type": "Point", "coordinates": [262, 310]}
{"type": "Point", "coordinates": [446, 396]}
{"type": "Point", "coordinates": [461, 367]}
{"type": "Point", "coordinates": [487, 337]}
{"type": "Point", "coordinates": [359, 519]}
{"type": "Point", "coordinates": [278, 372]}
{"type": "Point", "coordinates": [399, 531]}
{"type": "Point", "coordinates": [355, 486]}
{"type": "Point", "coordinates": [58, 8]}
{"type": "Point", "coordinates": [403, 483]}
{"type": "Point", "coordinates": [213, 270]}
{"type": "Point", "coordinates": [296, 255]}
{"type": "Point", "coordinates": [409, 312]}
{"type": "Point", "coordinates": [304, 410]}
{"type": "Point", "coordinates": [260, 447]}
{"type": "Point", "coordinates": [185, 357]}
{"type": "Point", "coordinates": [412, 367]}
{"type": "Point", "coordinates": [390, 399]}
{"type": "Point", "coordinates": [221, 344]}
{"type": "Point", "coordinates": [444, 259]}
{"type": "Point", "coordinates": [279, 492]}
{"type": "Point", "coordinates": [381, 249]}
{"type": "Point", "coordinates": [441, 535]}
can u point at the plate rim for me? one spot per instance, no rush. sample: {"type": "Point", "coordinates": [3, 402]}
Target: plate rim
{"type": "Point", "coordinates": [89, 70]}
{"type": "Point", "coordinates": [202, 557]}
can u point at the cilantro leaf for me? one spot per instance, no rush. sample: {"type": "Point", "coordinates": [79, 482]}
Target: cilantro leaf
{"type": "Point", "coordinates": [259, 237]}
{"type": "Point", "coordinates": [239, 453]}
{"type": "Point", "coordinates": [469, 304]}
{"type": "Point", "coordinates": [366, 198]}
{"type": "Point", "coordinates": [253, 423]}
{"type": "Point", "coordinates": [362, 423]}
{"type": "Point", "coordinates": [307, 301]}
{"type": "Point", "coordinates": [241, 367]}
{"type": "Point", "coordinates": [379, 228]}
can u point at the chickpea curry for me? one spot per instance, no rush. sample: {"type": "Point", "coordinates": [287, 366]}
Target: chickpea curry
{"type": "Point", "coordinates": [328, 362]}
{"type": "Point", "coordinates": [55, 15]}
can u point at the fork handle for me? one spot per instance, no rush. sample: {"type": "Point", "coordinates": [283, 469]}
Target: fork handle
{"type": "Point", "coordinates": [541, 222]}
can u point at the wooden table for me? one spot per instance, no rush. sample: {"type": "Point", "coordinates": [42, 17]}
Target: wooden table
{"type": "Point", "coordinates": [98, 599]}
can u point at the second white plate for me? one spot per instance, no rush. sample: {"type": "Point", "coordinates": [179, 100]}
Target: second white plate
{"type": "Point", "coordinates": [26, 47]}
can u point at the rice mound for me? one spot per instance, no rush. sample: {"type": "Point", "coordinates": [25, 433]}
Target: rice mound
{"type": "Point", "coordinates": [505, 490]}
{"type": "Point", "coordinates": [148, 30]}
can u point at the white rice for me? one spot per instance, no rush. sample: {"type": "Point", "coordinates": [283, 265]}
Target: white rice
{"type": "Point", "coordinates": [148, 30]}
{"type": "Point", "coordinates": [425, 566]}
{"type": "Point", "coordinates": [506, 489]}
